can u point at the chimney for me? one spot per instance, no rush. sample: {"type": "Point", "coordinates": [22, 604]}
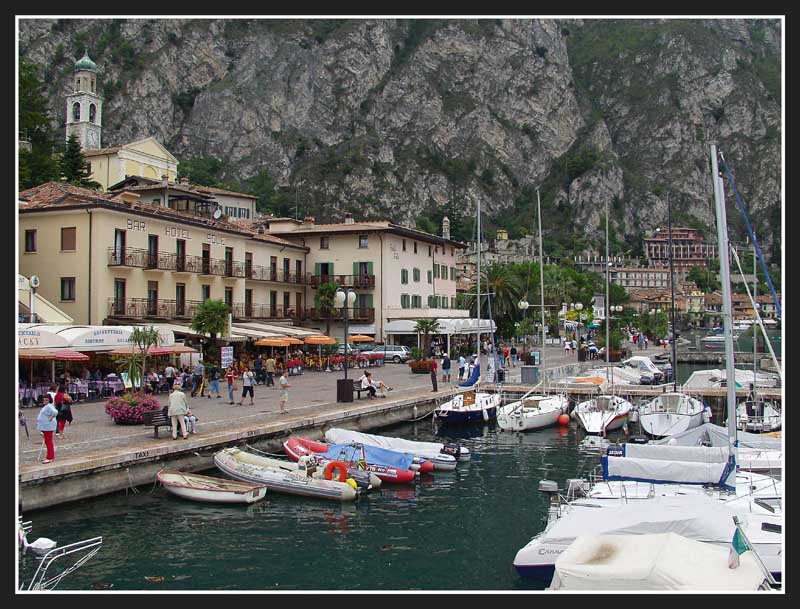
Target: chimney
{"type": "Point", "coordinates": [308, 220]}
{"type": "Point", "coordinates": [348, 218]}
{"type": "Point", "coordinates": [184, 181]}
{"type": "Point", "coordinates": [164, 179]}
{"type": "Point", "coordinates": [445, 227]}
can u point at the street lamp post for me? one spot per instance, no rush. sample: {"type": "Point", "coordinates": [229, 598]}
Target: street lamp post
{"type": "Point", "coordinates": [344, 387]}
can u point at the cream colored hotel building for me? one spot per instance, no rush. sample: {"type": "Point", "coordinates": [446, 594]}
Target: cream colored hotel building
{"type": "Point", "coordinates": [107, 258]}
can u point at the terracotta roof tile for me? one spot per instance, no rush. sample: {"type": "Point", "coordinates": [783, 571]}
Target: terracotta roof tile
{"type": "Point", "coordinates": [221, 191]}
{"type": "Point", "coordinates": [59, 194]}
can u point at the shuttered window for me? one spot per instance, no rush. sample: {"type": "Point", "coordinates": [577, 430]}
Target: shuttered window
{"type": "Point", "coordinates": [416, 274]}
{"type": "Point", "coordinates": [404, 276]}
{"type": "Point", "coordinates": [404, 301]}
{"type": "Point", "coordinates": [430, 276]}
{"type": "Point", "coordinates": [68, 239]}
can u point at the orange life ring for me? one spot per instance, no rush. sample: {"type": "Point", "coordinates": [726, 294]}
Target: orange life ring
{"type": "Point", "coordinates": [332, 465]}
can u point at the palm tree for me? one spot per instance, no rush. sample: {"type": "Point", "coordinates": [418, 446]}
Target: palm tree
{"type": "Point", "coordinates": [326, 302]}
{"type": "Point", "coordinates": [426, 326]}
{"type": "Point", "coordinates": [503, 284]}
{"type": "Point", "coordinates": [136, 363]}
{"type": "Point", "coordinates": [211, 318]}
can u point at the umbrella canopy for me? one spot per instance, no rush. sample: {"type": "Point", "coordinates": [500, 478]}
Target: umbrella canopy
{"type": "Point", "coordinates": [274, 341]}
{"type": "Point", "coordinates": [153, 351]}
{"type": "Point", "coordinates": [53, 354]}
{"type": "Point", "coordinates": [360, 338]}
{"type": "Point", "coordinates": [320, 340]}
{"type": "Point", "coordinates": [294, 341]}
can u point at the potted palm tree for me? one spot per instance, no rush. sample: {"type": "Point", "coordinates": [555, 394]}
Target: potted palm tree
{"type": "Point", "coordinates": [128, 409]}
{"type": "Point", "coordinates": [426, 327]}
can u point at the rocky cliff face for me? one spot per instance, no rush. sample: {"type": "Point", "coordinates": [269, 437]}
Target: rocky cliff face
{"type": "Point", "coordinates": [400, 118]}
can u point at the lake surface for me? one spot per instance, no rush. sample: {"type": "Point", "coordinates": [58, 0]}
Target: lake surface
{"type": "Point", "coordinates": [449, 531]}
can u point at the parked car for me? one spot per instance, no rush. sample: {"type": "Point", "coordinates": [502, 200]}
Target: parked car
{"type": "Point", "coordinates": [392, 353]}
{"type": "Point", "coordinates": [351, 349]}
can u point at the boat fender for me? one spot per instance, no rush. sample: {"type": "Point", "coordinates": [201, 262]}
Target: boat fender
{"type": "Point", "coordinates": [453, 450]}
{"type": "Point", "coordinates": [485, 415]}
{"type": "Point", "coordinates": [352, 483]}
{"type": "Point", "coordinates": [336, 465]}
{"type": "Point", "coordinates": [706, 415]}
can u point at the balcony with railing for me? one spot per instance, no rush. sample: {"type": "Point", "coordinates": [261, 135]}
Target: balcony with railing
{"type": "Point", "coordinates": [140, 258]}
{"type": "Point", "coordinates": [139, 308]}
{"type": "Point", "coordinates": [264, 311]}
{"type": "Point", "coordinates": [345, 281]}
{"type": "Point", "coordinates": [264, 273]}
{"type": "Point", "coordinates": [365, 314]}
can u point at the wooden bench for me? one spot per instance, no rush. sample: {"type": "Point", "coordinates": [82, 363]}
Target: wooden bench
{"type": "Point", "coordinates": [358, 390]}
{"type": "Point", "coordinates": [157, 419]}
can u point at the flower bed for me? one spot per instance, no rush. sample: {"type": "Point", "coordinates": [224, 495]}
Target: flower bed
{"type": "Point", "coordinates": [127, 409]}
{"type": "Point", "coordinates": [421, 366]}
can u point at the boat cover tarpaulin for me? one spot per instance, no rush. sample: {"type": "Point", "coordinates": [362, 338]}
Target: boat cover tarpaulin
{"type": "Point", "coordinates": [373, 455]}
{"type": "Point", "coordinates": [714, 435]}
{"type": "Point", "coordinates": [665, 463]}
{"type": "Point", "coordinates": [651, 562]}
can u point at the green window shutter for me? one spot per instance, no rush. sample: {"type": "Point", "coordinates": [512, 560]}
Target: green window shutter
{"type": "Point", "coordinates": [444, 272]}
{"type": "Point", "coordinates": [444, 302]}
{"type": "Point", "coordinates": [368, 301]}
{"type": "Point", "coordinates": [430, 277]}
{"type": "Point", "coordinates": [369, 268]}
{"type": "Point", "coordinates": [453, 273]}
{"type": "Point", "coordinates": [355, 269]}
{"type": "Point", "coordinates": [316, 269]}
{"type": "Point", "coordinates": [416, 274]}
{"type": "Point", "coordinates": [404, 276]}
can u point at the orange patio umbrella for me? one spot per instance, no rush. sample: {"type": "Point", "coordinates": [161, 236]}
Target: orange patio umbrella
{"type": "Point", "coordinates": [320, 340]}
{"type": "Point", "coordinates": [53, 354]}
{"type": "Point", "coordinates": [360, 338]}
{"type": "Point", "coordinates": [273, 341]}
{"type": "Point", "coordinates": [153, 351]}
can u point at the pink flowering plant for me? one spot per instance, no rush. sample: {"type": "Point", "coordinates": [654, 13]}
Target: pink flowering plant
{"type": "Point", "coordinates": [128, 408]}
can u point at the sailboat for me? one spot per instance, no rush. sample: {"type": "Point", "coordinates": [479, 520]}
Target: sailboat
{"type": "Point", "coordinates": [672, 413]}
{"type": "Point", "coordinates": [474, 406]}
{"type": "Point", "coordinates": [604, 413]}
{"type": "Point", "coordinates": [534, 411]}
{"type": "Point", "coordinates": [696, 477]}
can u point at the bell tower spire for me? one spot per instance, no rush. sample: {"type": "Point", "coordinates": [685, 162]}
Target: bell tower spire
{"type": "Point", "coordinates": [84, 105]}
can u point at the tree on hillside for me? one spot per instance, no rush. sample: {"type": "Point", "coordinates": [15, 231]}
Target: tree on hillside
{"type": "Point", "coordinates": [202, 170]}
{"type": "Point", "coordinates": [211, 318]}
{"type": "Point", "coordinates": [37, 165]}
{"type": "Point", "coordinates": [74, 167]}
{"type": "Point", "coordinates": [270, 198]}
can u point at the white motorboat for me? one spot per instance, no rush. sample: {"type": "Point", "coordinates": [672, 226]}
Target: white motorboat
{"type": "Point", "coordinates": [532, 412]}
{"type": "Point", "coordinates": [659, 561]}
{"type": "Point", "coordinates": [649, 373]}
{"type": "Point", "coordinates": [715, 378]}
{"type": "Point", "coordinates": [254, 468]}
{"type": "Point", "coordinates": [672, 413]}
{"type": "Point", "coordinates": [695, 517]}
{"type": "Point", "coordinates": [715, 342]}
{"type": "Point", "coordinates": [758, 417]}
{"type": "Point", "coordinates": [603, 413]}
{"type": "Point", "coordinates": [212, 490]}
{"type": "Point", "coordinates": [468, 407]}
{"type": "Point", "coordinates": [443, 456]}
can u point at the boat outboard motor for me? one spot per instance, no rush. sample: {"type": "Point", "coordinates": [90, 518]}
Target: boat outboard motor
{"type": "Point", "coordinates": [360, 476]}
{"type": "Point", "coordinates": [549, 488]}
{"type": "Point", "coordinates": [307, 464]}
{"type": "Point", "coordinates": [454, 450]}
{"type": "Point", "coordinates": [633, 415]}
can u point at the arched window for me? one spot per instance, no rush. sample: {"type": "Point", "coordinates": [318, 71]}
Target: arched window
{"type": "Point", "coordinates": [76, 111]}
{"type": "Point", "coordinates": [93, 85]}
{"type": "Point", "coordinates": [92, 111]}
{"type": "Point", "coordinates": [77, 84]}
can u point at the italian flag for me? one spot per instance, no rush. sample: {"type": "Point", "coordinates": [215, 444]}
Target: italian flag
{"type": "Point", "coordinates": [738, 546]}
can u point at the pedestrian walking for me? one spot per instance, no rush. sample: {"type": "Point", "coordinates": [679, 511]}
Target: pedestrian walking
{"type": "Point", "coordinates": [178, 407]}
{"type": "Point", "coordinates": [169, 375]}
{"type": "Point", "coordinates": [248, 380]}
{"type": "Point", "coordinates": [213, 375]}
{"type": "Point", "coordinates": [230, 378]}
{"type": "Point", "coordinates": [46, 423]}
{"type": "Point", "coordinates": [446, 368]}
{"type": "Point", "coordinates": [63, 404]}
{"type": "Point", "coordinates": [270, 370]}
{"type": "Point", "coordinates": [433, 375]}
{"type": "Point", "coordinates": [284, 382]}
{"type": "Point", "coordinates": [258, 365]}
{"type": "Point", "coordinates": [567, 346]}
{"type": "Point", "coordinates": [197, 378]}
{"type": "Point", "coordinates": [513, 356]}
{"type": "Point", "coordinates": [462, 365]}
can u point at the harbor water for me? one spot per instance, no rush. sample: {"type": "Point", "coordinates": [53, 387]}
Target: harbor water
{"type": "Point", "coordinates": [456, 530]}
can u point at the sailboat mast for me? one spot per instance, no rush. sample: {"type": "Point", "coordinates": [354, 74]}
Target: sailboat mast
{"type": "Point", "coordinates": [753, 329]}
{"type": "Point", "coordinates": [541, 279]}
{"type": "Point", "coordinates": [608, 317]}
{"type": "Point", "coordinates": [725, 280]}
{"type": "Point", "coordinates": [672, 308]}
{"type": "Point", "coordinates": [478, 226]}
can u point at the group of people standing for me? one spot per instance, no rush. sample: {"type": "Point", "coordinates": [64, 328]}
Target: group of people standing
{"type": "Point", "coordinates": [52, 419]}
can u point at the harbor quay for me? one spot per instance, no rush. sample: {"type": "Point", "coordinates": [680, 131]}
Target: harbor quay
{"type": "Point", "coordinates": [97, 456]}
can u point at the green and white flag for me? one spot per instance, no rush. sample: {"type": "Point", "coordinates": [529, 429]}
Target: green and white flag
{"type": "Point", "coordinates": [738, 546]}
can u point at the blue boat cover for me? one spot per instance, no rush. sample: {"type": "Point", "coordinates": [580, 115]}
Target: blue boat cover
{"type": "Point", "coordinates": [371, 454]}
{"type": "Point", "coordinates": [476, 374]}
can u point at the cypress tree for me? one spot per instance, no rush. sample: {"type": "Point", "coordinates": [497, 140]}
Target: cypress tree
{"type": "Point", "coordinates": [36, 165]}
{"type": "Point", "coordinates": [74, 167]}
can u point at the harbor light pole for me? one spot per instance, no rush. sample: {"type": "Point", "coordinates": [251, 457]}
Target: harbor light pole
{"type": "Point", "coordinates": [344, 301]}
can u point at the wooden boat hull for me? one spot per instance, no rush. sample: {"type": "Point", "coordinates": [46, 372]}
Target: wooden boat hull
{"type": "Point", "coordinates": [209, 489]}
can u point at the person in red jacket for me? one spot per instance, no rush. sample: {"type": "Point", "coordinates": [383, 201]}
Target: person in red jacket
{"type": "Point", "coordinates": [434, 366]}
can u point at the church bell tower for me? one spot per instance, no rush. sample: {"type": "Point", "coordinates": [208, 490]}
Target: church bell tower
{"type": "Point", "coordinates": [84, 105]}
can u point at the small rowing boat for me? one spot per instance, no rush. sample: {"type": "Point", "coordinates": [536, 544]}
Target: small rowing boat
{"type": "Point", "coordinates": [212, 490]}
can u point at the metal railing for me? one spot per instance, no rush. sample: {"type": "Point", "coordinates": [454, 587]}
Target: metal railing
{"type": "Point", "coordinates": [345, 281]}
{"type": "Point", "coordinates": [264, 273]}
{"type": "Point", "coordinates": [264, 311]}
{"type": "Point", "coordinates": [147, 307]}
{"type": "Point", "coordinates": [354, 314]}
